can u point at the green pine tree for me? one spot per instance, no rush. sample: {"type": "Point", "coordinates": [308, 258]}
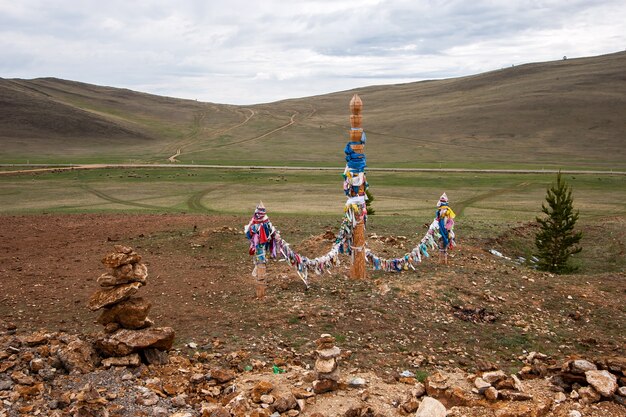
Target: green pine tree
{"type": "Point", "coordinates": [556, 240]}
{"type": "Point", "coordinates": [368, 202]}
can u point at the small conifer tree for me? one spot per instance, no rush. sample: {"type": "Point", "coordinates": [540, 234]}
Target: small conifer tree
{"type": "Point", "coordinates": [556, 240]}
{"type": "Point", "coordinates": [368, 202]}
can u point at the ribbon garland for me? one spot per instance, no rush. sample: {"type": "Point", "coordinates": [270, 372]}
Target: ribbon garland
{"type": "Point", "coordinates": [265, 238]}
{"type": "Point", "coordinates": [440, 230]}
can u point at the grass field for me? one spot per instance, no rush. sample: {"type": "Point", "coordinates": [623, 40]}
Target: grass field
{"type": "Point", "coordinates": [489, 206]}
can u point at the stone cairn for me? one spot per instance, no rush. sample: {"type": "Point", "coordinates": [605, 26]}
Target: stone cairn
{"type": "Point", "coordinates": [326, 365]}
{"type": "Point", "coordinates": [128, 332]}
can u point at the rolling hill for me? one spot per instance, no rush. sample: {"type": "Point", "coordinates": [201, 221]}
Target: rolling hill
{"type": "Point", "coordinates": [567, 113]}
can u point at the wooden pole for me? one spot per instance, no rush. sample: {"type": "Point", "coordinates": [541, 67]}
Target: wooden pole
{"type": "Point", "coordinates": [357, 270]}
{"type": "Point", "coordinates": [261, 285]}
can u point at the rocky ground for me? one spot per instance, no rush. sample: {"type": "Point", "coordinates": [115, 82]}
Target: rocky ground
{"type": "Point", "coordinates": [442, 326]}
{"type": "Point", "coordinates": [57, 374]}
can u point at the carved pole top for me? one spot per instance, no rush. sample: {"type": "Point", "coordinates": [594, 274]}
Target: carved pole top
{"type": "Point", "coordinates": [356, 105]}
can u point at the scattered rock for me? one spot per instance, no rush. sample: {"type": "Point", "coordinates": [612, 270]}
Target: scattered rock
{"type": "Point", "coordinates": [222, 375]}
{"type": "Point", "coordinates": [494, 377]}
{"type": "Point", "coordinates": [580, 366]}
{"type": "Point", "coordinates": [603, 381]}
{"type": "Point", "coordinates": [357, 382]}
{"type": "Point", "coordinates": [130, 360]}
{"type": "Point", "coordinates": [260, 389]}
{"type": "Point", "coordinates": [481, 385]}
{"type": "Point", "coordinates": [430, 407]}
{"type": "Point", "coordinates": [588, 395]}
{"type": "Point", "coordinates": [491, 394]}
{"type": "Point", "coordinates": [78, 357]}
{"type": "Point", "coordinates": [284, 400]}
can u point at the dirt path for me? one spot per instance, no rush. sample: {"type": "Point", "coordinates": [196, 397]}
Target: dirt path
{"type": "Point", "coordinates": [462, 205]}
{"type": "Point", "coordinates": [296, 168]}
{"type": "Point", "coordinates": [190, 142]}
{"type": "Point", "coordinates": [173, 157]}
{"type": "Point", "coordinates": [292, 120]}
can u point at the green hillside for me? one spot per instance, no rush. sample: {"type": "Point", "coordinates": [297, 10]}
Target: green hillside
{"type": "Point", "coordinates": [568, 113]}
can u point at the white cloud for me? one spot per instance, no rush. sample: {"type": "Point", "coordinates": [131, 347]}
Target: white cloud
{"type": "Point", "coordinates": [248, 52]}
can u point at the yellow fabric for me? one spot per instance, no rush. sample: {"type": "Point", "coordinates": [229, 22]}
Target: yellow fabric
{"type": "Point", "coordinates": [449, 213]}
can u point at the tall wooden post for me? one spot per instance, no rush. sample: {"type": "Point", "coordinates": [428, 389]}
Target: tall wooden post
{"type": "Point", "coordinates": [357, 270]}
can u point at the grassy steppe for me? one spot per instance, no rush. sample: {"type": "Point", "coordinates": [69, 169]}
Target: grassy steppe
{"type": "Point", "coordinates": [495, 209]}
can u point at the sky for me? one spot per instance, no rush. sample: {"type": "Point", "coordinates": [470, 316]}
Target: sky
{"type": "Point", "coordinates": [248, 52]}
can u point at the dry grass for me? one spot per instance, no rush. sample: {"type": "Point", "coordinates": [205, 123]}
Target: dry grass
{"type": "Point", "coordinates": [556, 114]}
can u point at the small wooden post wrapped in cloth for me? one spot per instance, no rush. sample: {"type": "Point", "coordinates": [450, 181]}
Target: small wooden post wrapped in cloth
{"type": "Point", "coordinates": [260, 231]}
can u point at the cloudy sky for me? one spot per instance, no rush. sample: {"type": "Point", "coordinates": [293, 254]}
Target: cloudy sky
{"type": "Point", "coordinates": [244, 52]}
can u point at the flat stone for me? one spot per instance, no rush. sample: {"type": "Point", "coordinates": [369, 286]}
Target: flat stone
{"type": "Point", "coordinates": [617, 364]}
{"type": "Point", "coordinates": [214, 410]}
{"type": "Point", "coordinates": [335, 376]}
{"type": "Point", "coordinates": [108, 296]}
{"type": "Point", "coordinates": [511, 395]}
{"type": "Point", "coordinates": [114, 260]}
{"type": "Point", "coordinates": [329, 353]}
{"type": "Point", "coordinates": [325, 366]}
{"type": "Point", "coordinates": [430, 407]}
{"type": "Point", "coordinates": [357, 382]}
{"type": "Point", "coordinates": [35, 339]}
{"type": "Point", "coordinates": [129, 314]}
{"type": "Point", "coordinates": [580, 366]}
{"type": "Point", "coordinates": [324, 385]}
{"type": "Point", "coordinates": [621, 391]}
{"type": "Point", "coordinates": [603, 381]}
{"type": "Point", "coordinates": [481, 385]}
{"type": "Point", "coordinates": [20, 377]}
{"type": "Point", "coordinates": [124, 274]}
{"type": "Point", "coordinates": [130, 360]}
{"type": "Point", "coordinates": [494, 376]}
{"type": "Point", "coordinates": [301, 394]}
{"type": "Point", "coordinates": [124, 342]}
{"type": "Point", "coordinates": [122, 249]}
{"type": "Point", "coordinates": [326, 341]}
{"type": "Point", "coordinates": [222, 375]}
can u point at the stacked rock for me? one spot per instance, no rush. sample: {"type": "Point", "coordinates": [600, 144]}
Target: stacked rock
{"type": "Point", "coordinates": [326, 365]}
{"type": "Point", "coordinates": [128, 330]}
